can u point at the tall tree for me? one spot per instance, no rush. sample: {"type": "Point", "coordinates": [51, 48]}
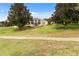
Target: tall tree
{"type": "Point", "coordinates": [66, 13]}
{"type": "Point", "coordinates": [19, 15]}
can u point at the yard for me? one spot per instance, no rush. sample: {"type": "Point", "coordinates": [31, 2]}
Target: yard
{"type": "Point", "coordinates": [38, 48]}
{"type": "Point", "coordinates": [40, 40]}
{"type": "Point", "coordinates": [50, 30]}
{"type": "Point", "coordinates": [27, 47]}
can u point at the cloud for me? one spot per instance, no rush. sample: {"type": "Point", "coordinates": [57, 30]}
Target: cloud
{"type": "Point", "coordinates": [34, 12]}
{"type": "Point", "coordinates": [3, 17]}
{"type": "Point", "coordinates": [41, 15]}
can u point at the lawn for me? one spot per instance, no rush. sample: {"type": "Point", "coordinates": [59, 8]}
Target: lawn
{"type": "Point", "coordinates": [50, 30]}
{"type": "Point", "coordinates": [36, 31]}
{"type": "Point", "coordinates": [38, 48]}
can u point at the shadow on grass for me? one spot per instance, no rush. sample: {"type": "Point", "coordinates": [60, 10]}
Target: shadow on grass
{"type": "Point", "coordinates": [69, 26]}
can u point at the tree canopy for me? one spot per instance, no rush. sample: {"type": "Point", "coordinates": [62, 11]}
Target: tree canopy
{"type": "Point", "coordinates": [19, 15]}
{"type": "Point", "coordinates": [66, 13]}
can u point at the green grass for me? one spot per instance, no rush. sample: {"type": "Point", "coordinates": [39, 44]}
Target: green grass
{"type": "Point", "coordinates": [72, 30]}
{"type": "Point", "coordinates": [38, 48]}
{"type": "Point", "coordinates": [69, 26]}
{"type": "Point", "coordinates": [32, 31]}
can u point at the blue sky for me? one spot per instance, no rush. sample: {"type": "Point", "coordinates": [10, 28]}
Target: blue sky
{"type": "Point", "coordinates": [38, 10]}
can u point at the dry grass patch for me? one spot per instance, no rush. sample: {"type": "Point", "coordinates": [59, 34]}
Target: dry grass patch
{"type": "Point", "coordinates": [38, 47]}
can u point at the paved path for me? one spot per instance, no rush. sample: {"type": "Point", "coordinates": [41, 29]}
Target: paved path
{"type": "Point", "coordinates": [40, 38]}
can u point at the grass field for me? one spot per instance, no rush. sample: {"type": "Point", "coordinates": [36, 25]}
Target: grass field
{"type": "Point", "coordinates": [50, 30]}
{"type": "Point", "coordinates": [38, 48]}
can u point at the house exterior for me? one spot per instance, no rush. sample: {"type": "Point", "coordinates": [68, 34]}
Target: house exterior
{"type": "Point", "coordinates": [37, 22]}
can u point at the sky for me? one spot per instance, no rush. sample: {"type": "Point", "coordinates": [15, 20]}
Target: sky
{"type": "Point", "coordinates": [38, 10]}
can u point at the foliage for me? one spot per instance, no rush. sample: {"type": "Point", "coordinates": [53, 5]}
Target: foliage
{"type": "Point", "coordinates": [19, 15]}
{"type": "Point", "coordinates": [66, 13]}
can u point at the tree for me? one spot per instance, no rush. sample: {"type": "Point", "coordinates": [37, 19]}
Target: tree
{"type": "Point", "coordinates": [19, 15]}
{"type": "Point", "coordinates": [49, 20]}
{"type": "Point", "coordinates": [66, 13]}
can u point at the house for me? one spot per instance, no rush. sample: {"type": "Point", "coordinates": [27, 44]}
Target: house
{"type": "Point", "coordinates": [37, 22]}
